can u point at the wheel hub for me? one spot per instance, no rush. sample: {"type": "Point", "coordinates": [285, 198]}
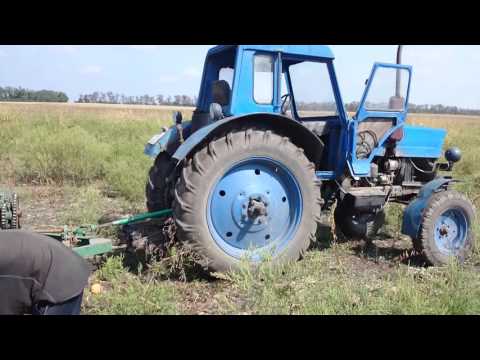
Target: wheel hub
{"type": "Point", "coordinates": [257, 209]}
{"type": "Point", "coordinates": [451, 231]}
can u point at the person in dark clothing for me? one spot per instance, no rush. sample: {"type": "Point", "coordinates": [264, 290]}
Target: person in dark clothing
{"type": "Point", "coordinates": [39, 275]}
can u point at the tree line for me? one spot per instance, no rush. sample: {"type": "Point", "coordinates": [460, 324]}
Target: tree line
{"type": "Point", "coordinates": [114, 98]}
{"type": "Point", "coordinates": [10, 93]}
{"type": "Point", "coordinates": [425, 109]}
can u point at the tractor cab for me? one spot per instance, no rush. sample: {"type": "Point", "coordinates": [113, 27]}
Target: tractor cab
{"type": "Point", "coordinates": [297, 83]}
{"type": "Point", "coordinates": [246, 79]}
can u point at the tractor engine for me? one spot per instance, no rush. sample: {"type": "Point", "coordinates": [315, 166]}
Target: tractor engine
{"type": "Point", "coordinates": [400, 171]}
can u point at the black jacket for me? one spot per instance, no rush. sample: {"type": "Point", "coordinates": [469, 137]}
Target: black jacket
{"type": "Point", "coordinates": [36, 268]}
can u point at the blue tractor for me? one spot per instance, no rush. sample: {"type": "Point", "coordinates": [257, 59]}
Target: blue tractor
{"type": "Point", "coordinates": [271, 147]}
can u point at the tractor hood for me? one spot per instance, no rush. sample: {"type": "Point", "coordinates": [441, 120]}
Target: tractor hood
{"type": "Point", "coordinates": [421, 142]}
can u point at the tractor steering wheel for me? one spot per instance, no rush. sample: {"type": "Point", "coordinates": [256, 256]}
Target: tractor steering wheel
{"type": "Point", "coordinates": [286, 102]}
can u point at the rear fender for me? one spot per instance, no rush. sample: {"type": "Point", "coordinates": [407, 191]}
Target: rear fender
{"type": "Point", "coordinates": [168, 140]}
{"type": "Point", "coordinates": [412, 216]}
{"type": "Point", "coordinates": [299, 134]}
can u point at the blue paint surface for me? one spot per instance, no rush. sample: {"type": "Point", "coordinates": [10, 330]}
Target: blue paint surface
{"type": "Point", "coordinates": [234, 229]}
{"type": "Point", "coordinates": [451, 230]}
{"type": "Point", "coordinates": [412, 215]}
{"type": "Point", "coordinates": [159, 142]}
{"type": "Point", "coordinates": [421, 142]}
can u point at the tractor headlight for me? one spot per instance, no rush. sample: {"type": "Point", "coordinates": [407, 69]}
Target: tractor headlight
{"type": "Point", "coordinates": [453, 155]}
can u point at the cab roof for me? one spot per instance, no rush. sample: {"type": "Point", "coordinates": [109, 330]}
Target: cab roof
{"type": "Point", "coordinates": [318, 51]}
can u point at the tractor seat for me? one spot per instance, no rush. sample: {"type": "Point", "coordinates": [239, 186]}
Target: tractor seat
{"type": "Point", "coordinates": [221, 93]}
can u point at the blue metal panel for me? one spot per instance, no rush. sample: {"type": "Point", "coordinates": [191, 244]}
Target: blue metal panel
{"type": "Point", "coordinates": [318, 51]}
{"type": "Point", "coordinates": [363, 113]}
{"type": "Point", "coordinates": [326, 175]}
{"type": "Point", "coordinates": [284, 123]}
{"type": "Point", "coordinates": [361, 167]}
{"type": "Point", "coordinates": [165, 141]}
{"type": "Point", "coordinates": [216, 59]}
{"type": "Point", "coordinates": [412, 217]}
{"type": "Point", "coordinates": [243, 101]}
{"type": "Point", "coordinates": [196, 138]}
{"type": "Point", "coordinates": [421, 142]}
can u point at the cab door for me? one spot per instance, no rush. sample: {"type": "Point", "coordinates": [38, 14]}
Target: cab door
{"type": "Point", "coordinates": [381, 113]}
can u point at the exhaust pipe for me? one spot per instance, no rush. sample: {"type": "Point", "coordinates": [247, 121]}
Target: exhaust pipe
{"type": "Point", "coordinates": [399, 74]}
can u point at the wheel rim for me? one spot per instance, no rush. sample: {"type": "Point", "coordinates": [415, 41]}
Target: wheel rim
{"type": "Point", "coordinates": [255, 208]}
{"type": "Point", "coordinates": [451, 231]}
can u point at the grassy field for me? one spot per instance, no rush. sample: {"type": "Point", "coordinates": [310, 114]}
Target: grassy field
{"type": "Point", "coordinates": [74, 163]}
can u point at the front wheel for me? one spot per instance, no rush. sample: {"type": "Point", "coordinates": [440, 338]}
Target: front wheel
{"type": "Point", "coordinates": [247, 194]}
{"type": "Point", "coordinates": [358, 225]}
{"type": "Point", "coordinates": [446, 228]}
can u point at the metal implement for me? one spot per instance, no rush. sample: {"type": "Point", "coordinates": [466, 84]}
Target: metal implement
{"type": "Point", "coordinates": [84, 239]}
{"type": "Point", "coordinates": [81, 240]}
{"type": "Point", "coordinates": [9, 211]}
{"type": "Point", "coordinates": [135, 218]}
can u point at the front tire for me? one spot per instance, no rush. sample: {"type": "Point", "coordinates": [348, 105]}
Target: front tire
{"type": "Point", "coordinates": [356, 225]}
{"type": "Point", "coordinates": [245, 194]}
{"type": "Point", "coordinates": [446, 228]}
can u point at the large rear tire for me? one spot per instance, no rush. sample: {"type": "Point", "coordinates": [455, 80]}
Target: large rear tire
{"type": "Point", "coordinates": [446, 228]}
{"type": "Point", "coordinates": [248, 193]}
{"type": "Point", "coordinates": [158, 190]}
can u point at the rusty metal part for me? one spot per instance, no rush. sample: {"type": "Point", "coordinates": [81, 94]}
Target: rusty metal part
{"type": "Point", "coordinates": [9, 211]}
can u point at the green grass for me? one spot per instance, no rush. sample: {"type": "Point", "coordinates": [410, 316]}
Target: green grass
{"type": "Point", "coordinates": [95, 155]}
{"type": "Point", "coordinates": [128, 294]}
{"type": "Point", "coordinates": [72, 146]}
{"type": "Point", "coordinates": [326, 283]}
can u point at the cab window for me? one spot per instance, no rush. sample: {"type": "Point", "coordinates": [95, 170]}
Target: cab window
{"type": "Point", "coordinates": [226, 74]}
{"type": "Point", "coordinates": [312, 90]}
{"type": "Point", "coordinates": [263, 79]}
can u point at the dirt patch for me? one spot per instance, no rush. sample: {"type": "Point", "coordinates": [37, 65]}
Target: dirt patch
{"type": "Point", "coordinates": [201, 298]}
{"type": "Point", "coordinates": [40, 205]}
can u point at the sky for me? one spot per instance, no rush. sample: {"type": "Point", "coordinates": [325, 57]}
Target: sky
{"type": "Point", "coordinates": [448, 75]}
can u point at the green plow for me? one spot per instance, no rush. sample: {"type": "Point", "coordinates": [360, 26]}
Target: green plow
{"type": "Point", "coordinates": [83, 239]}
